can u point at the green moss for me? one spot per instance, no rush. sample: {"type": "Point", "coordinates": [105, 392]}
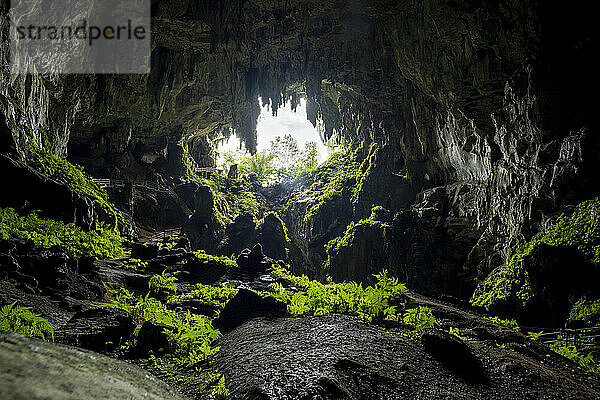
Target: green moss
{"type": "Point", "coordinates": [103, 242]}
{"type": "Point", "coordinates": [580, 229]}
{"type": "Point", "coordinates": [366, 168]}
{"type": "Point", "coordinates": [274, 213]}
{"type": "Point", "coordinates": [72, 175]}
{"type": "Point", "coordinates": [335, 178]}
{"type": "Point", "coordinates": [346, 239]}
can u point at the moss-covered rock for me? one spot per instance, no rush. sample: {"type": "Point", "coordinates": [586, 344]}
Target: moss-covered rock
{"type": "Point", "coordinates": [574, 244]}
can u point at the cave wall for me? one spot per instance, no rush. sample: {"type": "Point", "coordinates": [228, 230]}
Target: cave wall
{"type": "Point", "coordinates": [487, 107]}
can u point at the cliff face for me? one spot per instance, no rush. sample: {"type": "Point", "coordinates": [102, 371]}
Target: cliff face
{"type": "Point", "coordinates": [487, 110]}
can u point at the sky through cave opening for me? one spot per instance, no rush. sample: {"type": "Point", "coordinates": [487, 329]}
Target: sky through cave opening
{"type": "Point", "coordinates": [287, 122]}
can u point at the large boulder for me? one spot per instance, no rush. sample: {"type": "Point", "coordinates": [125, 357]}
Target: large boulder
{"type": "Point", "coordinates": [23, 187]}
{"type": "Point", "coordinates": [98, 329]}
{"type": "Point", "coordinates": [31, 369]}
{"type": "Point", "coordinates": [50, 271]}
{"type": "Point", "coordinates": [245, 305]}
{"type": "Point", "coordinates": [454, 353]}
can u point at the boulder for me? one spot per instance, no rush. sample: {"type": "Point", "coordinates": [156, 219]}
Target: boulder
{"type": "Point", "coordinates": [152, 338]}
{"type": "Point", "coordinates": [31, 369]}
{"type": "Point", "coordinates": [452, 352]}
{"type": "Point", "coordinates": [51, 271]}
{"type": "Point", "coordinates": [245, 305]}
{"type": "Point", "coordinates": [194, 307]}
{"type": "Point", "coordinates": [144, 251]}
{"type": "Point", "coordinates": [253, 263]}
{"type": "Point", "coordinates": [98, 329]}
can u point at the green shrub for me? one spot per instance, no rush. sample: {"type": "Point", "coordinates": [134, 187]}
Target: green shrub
{"type": "Point", "coordinates": [346, 297]}
{"type": "Point", "coordinates": [211, 259]}
{"type": "Point", "coordinates": [14, 318]}
{"type": "Point", "coordinates": [190, 353]}
{"type": "Point", "coordinates": [103, 242]}
{"type": "Point", "coordinates": [587, 311]}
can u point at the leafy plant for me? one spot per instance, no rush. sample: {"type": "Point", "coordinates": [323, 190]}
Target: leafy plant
{"type": "Point", "coordinates": [14, 318]}
{"type": "Point", "coordinates": [509, 323]}
{"type": "Point", "coordinates": [585, 310]}
{"type": "Point", "coordinates": [216, 295]}
{"type": "Point", "coordinates": [345, 297]}
{"type": "Point", "coordinates": [420, 317]}
{"type": "Point", "coordinates": [211, 259]}
{"type": "Point", "coordinates": [585, 361]}
{"type": "Point", "coordinates": [103, 242]}
{"type": "Point", "coordinates": [191, 353]}
{"type": "Point", "coordinates": [163, 285]}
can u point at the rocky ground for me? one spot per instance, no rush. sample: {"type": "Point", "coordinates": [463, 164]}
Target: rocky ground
{"type": "Point", "coordinates": [264, 352]}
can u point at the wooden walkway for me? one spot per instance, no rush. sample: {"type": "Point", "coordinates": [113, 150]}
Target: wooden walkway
{"type": "Point", "coordinates": [109, 183]}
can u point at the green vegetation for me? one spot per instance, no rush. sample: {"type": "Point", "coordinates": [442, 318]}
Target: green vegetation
{"type": "Point", "coordinates": [585, 361]}
{"type": "Point", "coordinates": [190, 355]}
{"type": "Point", "coordinates": [346, 239]}
{"type": "Point", "coordinates": [346, 297]}
{"type": "Point", "coordinates": [72, 175]}
{"type": "Point", "coordinates": [274, 214]}
{"type": "Point", "coordinates": [163, 285]}
{"type": "Point", "coordinates": [136, 263]}
{"type": "Point", "coordinates": [103, 242]}
{"type": "Point", "coordinates": [420, 317]}
{"type": "Point", "coordinates": [511, 281]}
{"type": "Point", "coordinates": [334, 179]}
{"type": "Point", "coordinates": [586, 311]}
{"type": "Point", "coordinates": [216, 295]}
{"type": "Point", "coordinates": [14, 318]}
{"type": "Point", "coordinates": [509, 323]}
{"type": "Point", "coordinates": [210, 259]}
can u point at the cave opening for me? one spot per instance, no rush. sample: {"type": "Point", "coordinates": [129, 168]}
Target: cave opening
{"type": "Point", "coordinates": [285, 133]}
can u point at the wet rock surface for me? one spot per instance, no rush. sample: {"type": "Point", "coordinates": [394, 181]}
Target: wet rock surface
{"type": "Point", "coordinates": [32, 369]}
{"type": "Point", "coordinates": [247, 304]}
{"type": "Point", "coordinates": [98, 329]}
{"type": "Point", "coordinates": [339, 357]}
{"type": "Point", "coordinates": [52, 272]}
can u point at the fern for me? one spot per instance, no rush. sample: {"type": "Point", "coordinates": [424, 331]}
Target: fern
{"type": "Point", "coordinates": [331, 297]}
{"type": "Point", "coordinates": [14, 318]}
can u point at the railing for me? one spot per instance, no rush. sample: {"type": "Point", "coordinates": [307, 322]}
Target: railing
{"type": "Point", "coordinates": [160, 236]}
{"type": "Point", "coordinates": [106, 183]}
{"type": "Point", "coordinates": [579, 338]}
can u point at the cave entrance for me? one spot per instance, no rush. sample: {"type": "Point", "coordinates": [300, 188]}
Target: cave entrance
{"type": "Point", "coordinates": [288, 129]}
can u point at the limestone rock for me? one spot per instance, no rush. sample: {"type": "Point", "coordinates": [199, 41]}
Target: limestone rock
{"type": "Point", "coordinates": [31, 369]}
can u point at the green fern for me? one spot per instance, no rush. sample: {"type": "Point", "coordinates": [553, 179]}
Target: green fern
{"type": "Point", "coordinates": [14, 318]}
